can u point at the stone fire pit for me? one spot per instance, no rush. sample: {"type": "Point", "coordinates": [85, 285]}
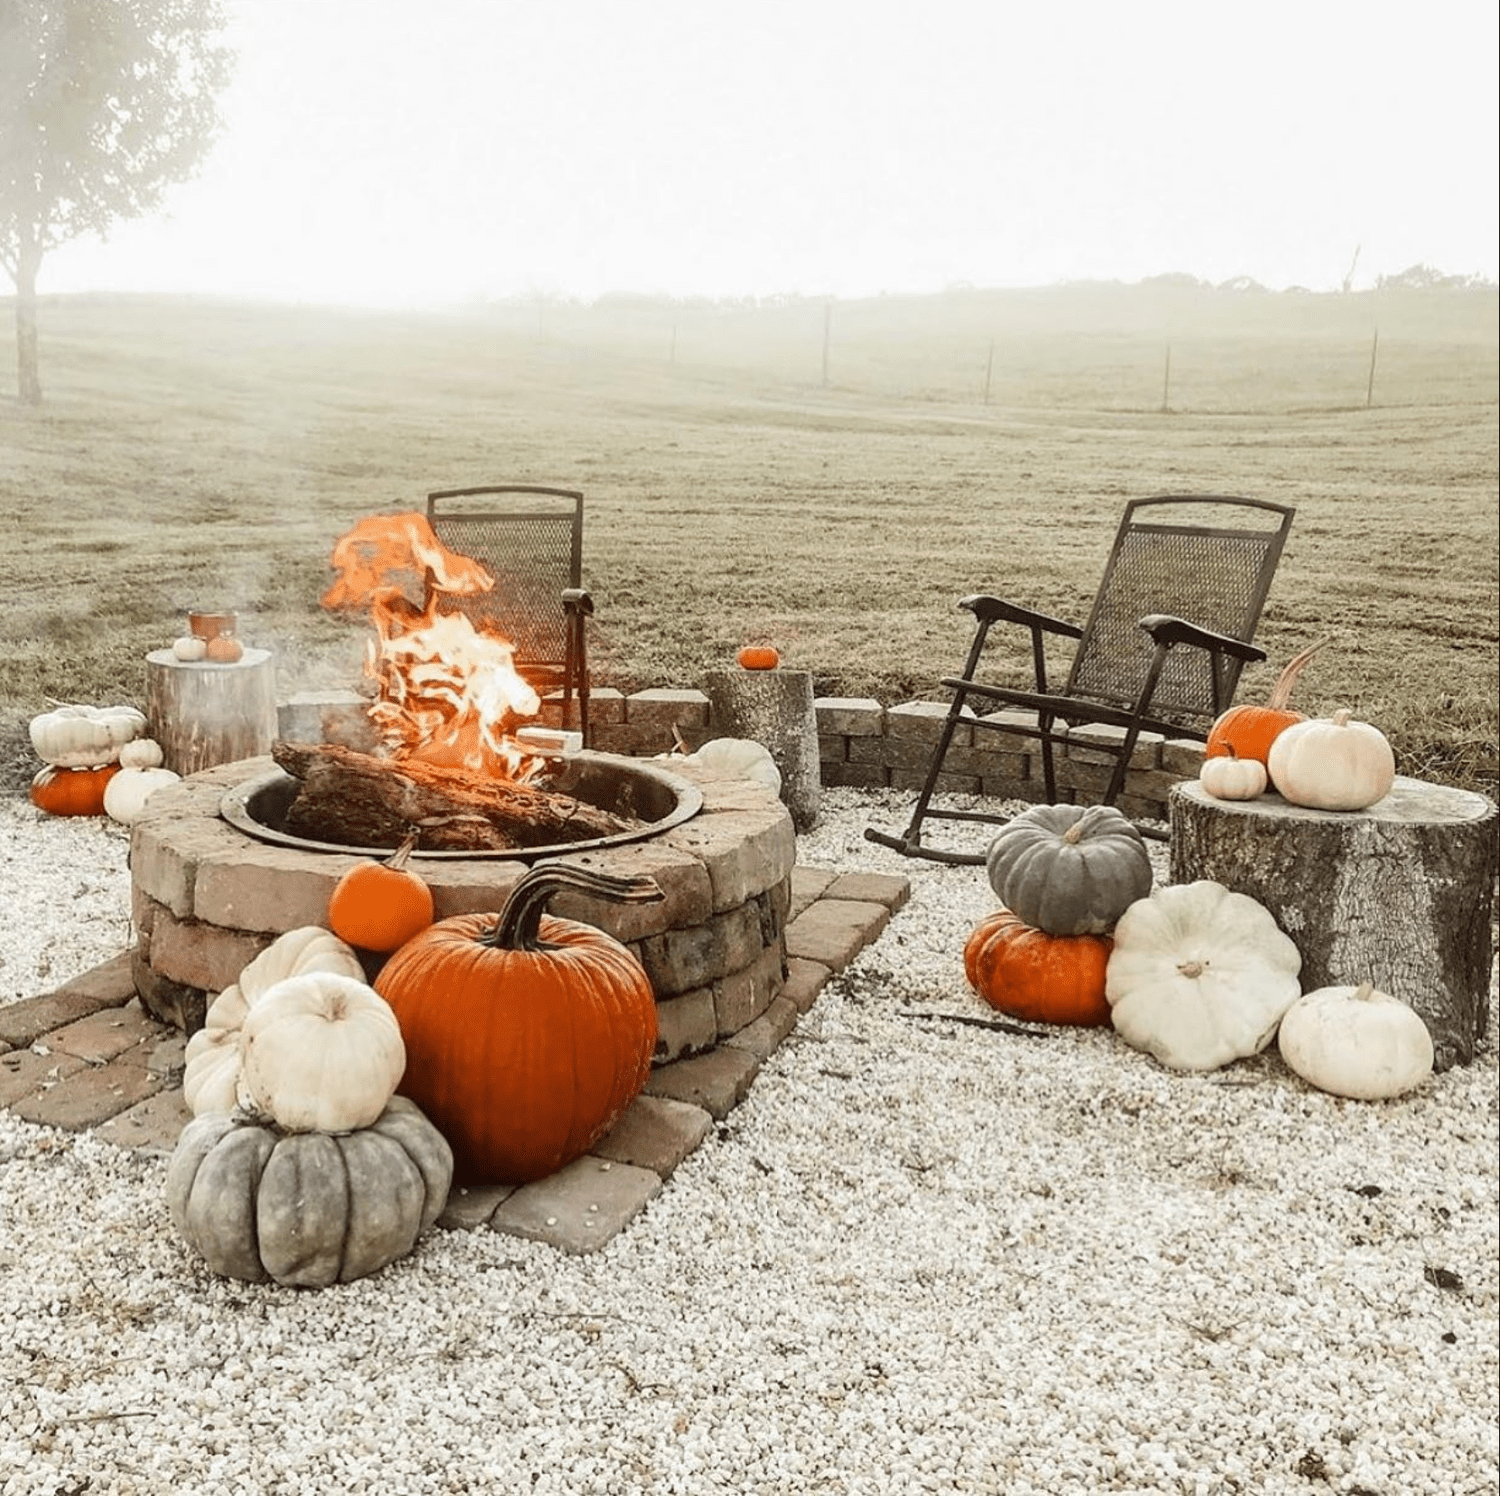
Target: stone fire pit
{"type": "Point", "coordinates": [208, 896]}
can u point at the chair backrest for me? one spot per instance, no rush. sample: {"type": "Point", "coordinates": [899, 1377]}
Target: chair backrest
{"type": "Point", "coordinates": [1206, 558]}
{"type": "Point", "coordinates": [530, 540]}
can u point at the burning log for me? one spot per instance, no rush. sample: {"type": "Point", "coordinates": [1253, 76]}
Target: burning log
{"type": "Point", "coordinates": [357, 800]}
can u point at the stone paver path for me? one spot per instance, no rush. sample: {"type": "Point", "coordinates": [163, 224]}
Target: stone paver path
{"type": "Point", "coordinates": [89, 1057]}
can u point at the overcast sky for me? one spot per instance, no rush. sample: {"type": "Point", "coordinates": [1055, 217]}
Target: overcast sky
{"type": "Point", "coordinates": [412, 151]}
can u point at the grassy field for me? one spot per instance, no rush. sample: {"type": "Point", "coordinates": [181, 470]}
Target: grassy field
{"type": "Point", "coordinates": [828, 478]}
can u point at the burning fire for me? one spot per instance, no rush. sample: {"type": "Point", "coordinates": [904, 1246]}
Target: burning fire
{"type": "Point", "coordinates": [446, 691]}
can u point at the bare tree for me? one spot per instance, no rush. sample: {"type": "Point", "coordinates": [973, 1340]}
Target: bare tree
{"type": "Point", "coordinates": [104, 104]}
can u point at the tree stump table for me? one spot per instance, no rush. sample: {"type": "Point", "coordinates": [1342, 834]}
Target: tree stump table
{"type": "Point", "coordinates": [1401, 895]}
{"type": "Point", "coordinates": [205, 714]}
{"type": "Point", "coordinates": [775, 709]}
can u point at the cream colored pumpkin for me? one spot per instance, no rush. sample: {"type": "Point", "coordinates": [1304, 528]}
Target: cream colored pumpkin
{"type": "Point", "coordinates": [84, 737]}
{"type": "Point", "coordinates": [141, 753]}
{"type": "Point", "coordinates": [1356, 1042]}
{"type": "Point", "coordinates": [1332, 763]}
{"type": "Point", "coordinates": [190, 648]}
{"type": "Point", "coordinates": [127, 794]}
{"type": "Point", "coordinates": [1199, 976]}
{"type": "Point", "coordinates": [320, 1052]}
{"type": "Point", "coordinates": [211, 1074]}
{"type": "Point", "coordinates": [1230, 778]}
{"type": "Point", "coordinates": [738, 758]}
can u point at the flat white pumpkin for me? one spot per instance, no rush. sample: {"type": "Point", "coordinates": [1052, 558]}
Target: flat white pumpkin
{"type": "Point", "coordinates": [84, 737]}
{"type": "Point", "coordinates": [1356, 1042]}
{"type": "Point", "coordinates": [211, 1073]}
{"type": "Point", "coordinates": [127, 794]}
{"type": "Point", "coordinates": [320, 1053]}
{"type": "Point", "coordinates": [738, 758]}
{"type": "Point", "coordinates": [1199, 976]}
{"type": "Point", "coordinates": [1332, 763]}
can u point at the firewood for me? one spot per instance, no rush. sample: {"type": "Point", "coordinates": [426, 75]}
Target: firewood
{"type": "Point", "coordinates": [359, 800]}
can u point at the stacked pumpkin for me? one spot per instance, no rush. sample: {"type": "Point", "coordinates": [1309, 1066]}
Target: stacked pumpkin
{"type": "Point", "coordinates": [1322, 763]}
{"type": "Point", "coordinates": [1064, 874]}
{"type": "Point", "coordinates": [301, 1164]}
{"type": "Point", "coordinates": [97, 761]}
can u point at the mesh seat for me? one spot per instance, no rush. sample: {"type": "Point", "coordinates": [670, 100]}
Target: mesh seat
{"type": "Point", "coordinates": [530, 539]}
{"type": "Point", "coordinates": [1162, 649]}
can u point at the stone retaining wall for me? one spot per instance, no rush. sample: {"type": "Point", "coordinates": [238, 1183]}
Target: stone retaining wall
{"type": "Point", "coordinates": [860, 743]}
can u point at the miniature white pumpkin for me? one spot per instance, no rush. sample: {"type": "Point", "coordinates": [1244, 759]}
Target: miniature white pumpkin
{"type": "Point", "coordinates": [1227, 777]}
{"type": "Point", "coordinates": [141, 753]}
{"type": "Point", "coordinates": [1332, 763]}
{"type": "Point", "coordinates": [1199, 976]}
{"type": "Point", "coordinates": [84, 737]}
{"type": "Point", "coordinates": [125, 796]}
{"type": "Point", "coordinates": [1357, 1042]}
{"type": "Point", "coordinates": [320, 1052]}
{"type": "Point", "coordinates": [738, 758]}
{"type": "Point", "coordinates": [211, 1073]}
{"type": "Point", "coordinates": [190, 648]}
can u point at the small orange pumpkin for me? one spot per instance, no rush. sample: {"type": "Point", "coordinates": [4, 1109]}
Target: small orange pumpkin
{"type": "Point", "coordinates": [526, 1035]}
{"type": "Point", "coordinates": [1041, 978]}
{"type": "Point", "coordinates": [1248, 731]}
{"type": "Point", "coordinates": [379, 906]}
{"type": "Point", "coordinates": [72, 792]}
{"type": "Point", "coordinates": [224, 649]}
{"type": "Point", "coordinates": [758, 657]}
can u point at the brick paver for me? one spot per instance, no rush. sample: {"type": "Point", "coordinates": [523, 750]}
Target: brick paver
{"type": "Point", "coordinates": [88, 1056]}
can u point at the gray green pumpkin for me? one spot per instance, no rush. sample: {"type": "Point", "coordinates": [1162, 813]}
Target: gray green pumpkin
{"type": "Point", "coordinates": [1069, 869]}
{"type": "Point", "coordinates": [307, 1209]}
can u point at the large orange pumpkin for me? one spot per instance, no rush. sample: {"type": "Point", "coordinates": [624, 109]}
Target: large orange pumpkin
{"type": "Point", "coordinates": [1042, 978]}
{"type": "Point", "coordinates": [526, 1035]}
{"type": "Point", "coordinates": [72, 792]}
{"type": "Point", "coordinates": [1248, 731]}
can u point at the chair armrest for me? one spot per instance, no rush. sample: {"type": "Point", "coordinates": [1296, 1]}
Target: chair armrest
{"type": "Point", "coordinates": [577, 601]}
{"type": "Point", "coordinates": [993, 610]}
{"type": "Point", "coordinates": [1165, 629]}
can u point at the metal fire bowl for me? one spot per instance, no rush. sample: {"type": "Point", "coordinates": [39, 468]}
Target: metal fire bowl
{"type": "Point", "coordinates": [624, 786]}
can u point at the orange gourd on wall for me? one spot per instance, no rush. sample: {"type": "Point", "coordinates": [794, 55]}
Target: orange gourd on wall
{"type": "Point", "coordinates": [1042, 978]}
{"type": "Point", "coordinates": [526, 1035]}
{"type": "Point", "coordinates": [379, 906]}
{"type": "Point", "coordinates": [758, 657]}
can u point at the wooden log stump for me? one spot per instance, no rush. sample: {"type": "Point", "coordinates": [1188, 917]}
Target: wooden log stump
{"type": "Point", "coordinates": [204, 714]}
{"type": "Point", "coordinates": [1401, 895]}
{"type": "Point", "coordinates": [775, 709]}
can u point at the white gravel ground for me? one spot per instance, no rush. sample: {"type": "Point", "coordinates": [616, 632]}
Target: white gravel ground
{"type": "Point", "coordinates": [921, 1257]}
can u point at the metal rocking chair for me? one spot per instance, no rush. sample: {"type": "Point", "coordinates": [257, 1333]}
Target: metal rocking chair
{"type": "Point", "coordinates": [530, 540]}
{"type": "Point", "coordinates": [1162, 651]}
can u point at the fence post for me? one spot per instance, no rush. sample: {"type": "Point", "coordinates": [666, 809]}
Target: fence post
{"type": "Point", "coordinates": [1370, 387]}
{"type": "Point", "coordinates": [1166, 380]}
{"type": "Point", "coordinates": [988, 367]}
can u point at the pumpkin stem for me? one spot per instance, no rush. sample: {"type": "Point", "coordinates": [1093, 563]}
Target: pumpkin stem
{"type": "Point", "coordinates": [1192, 969]}
{"type": "Point", "coordinates": [1281, 692]}
{"type": "Point", "coordinates": [1364, 993]}
{"type": "Point", "coordinates": [521, 915]}
{"type": "Point", "coordinates": [1073, 833]}
{"type": "Point", "coordinates": [398, 859]}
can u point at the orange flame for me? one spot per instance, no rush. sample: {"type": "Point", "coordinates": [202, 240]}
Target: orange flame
{"type": "Point", "coordinates": [446, 691]}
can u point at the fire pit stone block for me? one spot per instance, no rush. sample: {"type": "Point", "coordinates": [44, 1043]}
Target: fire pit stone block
{"type": "Point", "coordinates": [686, 1024]}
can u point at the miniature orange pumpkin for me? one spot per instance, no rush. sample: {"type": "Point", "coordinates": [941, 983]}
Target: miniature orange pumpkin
{"type": "Point", "coordinates": [379, 906]}
{"type": "Point", "coordinates": [758, 657]}
{"type": "Point", "coordinates": [526, 1035]}
{"type": "Point", "coordinates": [1248, 731]}
{"type": "Point", "coordinates": [224, 649]}
{"type": "Point", "coordinates": [1042, 978]}
{"type": "Point", "coordinates": [72, 792]}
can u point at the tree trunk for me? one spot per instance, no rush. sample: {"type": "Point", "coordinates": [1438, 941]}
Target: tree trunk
{"type": "Point", "coordinates": [775, 709]}
{"type": "Point", "coordinates": [1401, 895]}
{"type": "Point", "coordinates": [28, 384]}
{"type": "Point", "coordinates": [204, 714]}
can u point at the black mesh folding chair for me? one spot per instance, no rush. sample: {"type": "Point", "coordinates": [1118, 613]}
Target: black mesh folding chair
{"type": "Point", "coordinates": [530, 540]}
{"type": "Point", "coordinates": [1161, 652]}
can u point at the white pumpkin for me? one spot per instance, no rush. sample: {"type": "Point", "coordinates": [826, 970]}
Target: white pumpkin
{"type": "Point", "coordinates": [1357, 1042]}
{"type": "Point", "coordinates": [738, 758]}
{"type": "Point", "coordinates": [211, 1073]}
{"type": "Point", "coordinates": [1332, 763]}
{"type": "Point", "coordinates": [320, 1052]}
{"type": "Point", "coordinates": [1227, 777]}
{"type": "Point", "coordinates": [190, 648]}
{"type": "Point", "coordinates": [1199, 976]}
{"type": "Point", "coordinates": [84, 737]}
{"type": "Point", "coordinates": [141, 753]}
{"type": "Point", "coordinates": [126, 795]}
